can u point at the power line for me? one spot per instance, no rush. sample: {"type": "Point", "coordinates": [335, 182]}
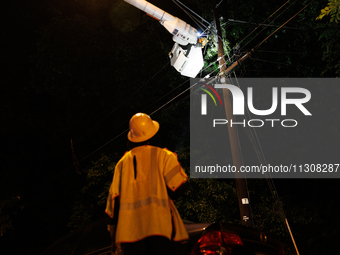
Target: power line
{"type": "Point", "coordinates": [252, 134]}
{"type": "Point", "coordinates": [259, 151]}
{"type": "Point", "coordinates": [273, 71]}
{"type": "Point", "coordinates": [278, 63]}
{"type": "Point", "coordinates": [273, 51]}
{"type": "Point", "coordinates": [257, 46]}
{"type": "Point", "coordinates": [168, 102]}
{"type": "Point", "coordinates": [263, 24]}
{"type": "Point", "coordinates": [198, 23]}
{"type": "Point", "coordinates": [186, 89]}
{"type": "Point", "coordinates": [190, 11]}
{"type": "Point", "coordinates": [123, 101]}
{"type": "Point", "coordinates": [98, 123]}
{"type": "Point", "coordinates": [111, 140]}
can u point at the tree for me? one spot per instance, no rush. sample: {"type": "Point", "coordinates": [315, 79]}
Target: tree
{"type": "Point", "coordinates": [333, 9]}
{"type": "Point", "coordinates": [92, 197]}
{"type": "Point", "coordinates": [204, 200]}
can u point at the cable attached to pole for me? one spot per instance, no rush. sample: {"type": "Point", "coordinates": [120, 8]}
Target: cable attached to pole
{"type": "Point", "coordinates": [263, 23]}
{"type": "Point", "coordinates": [257, 46]}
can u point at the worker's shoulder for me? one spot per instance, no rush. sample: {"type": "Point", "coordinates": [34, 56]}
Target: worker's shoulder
{"type": "Point", "coordinates": [167, 151]}
{"type": "Point", "coordinates": [146, 149]}
{"type": "Point", "coordinates": [169, 154]}
{"type": "Point", "coordinates": [126, 155]}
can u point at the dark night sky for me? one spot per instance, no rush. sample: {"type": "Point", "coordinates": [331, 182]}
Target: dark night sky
{"type": "Point", "coordinates": [36, 127]}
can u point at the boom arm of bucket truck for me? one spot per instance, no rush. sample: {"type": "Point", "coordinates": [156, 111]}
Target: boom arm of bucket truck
{"type": "Point", "coordinates": [186, 54]}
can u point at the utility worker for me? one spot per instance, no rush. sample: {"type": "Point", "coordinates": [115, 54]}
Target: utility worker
{"type": "Point", "coordinates": [146, 179]}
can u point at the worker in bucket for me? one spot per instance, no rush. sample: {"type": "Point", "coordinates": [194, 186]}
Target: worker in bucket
{"type": "Point", "coordinates": [140, 201]}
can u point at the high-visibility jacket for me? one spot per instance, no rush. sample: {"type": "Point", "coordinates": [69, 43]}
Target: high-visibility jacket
{"type": "Point", "coordinates": [140, 180]}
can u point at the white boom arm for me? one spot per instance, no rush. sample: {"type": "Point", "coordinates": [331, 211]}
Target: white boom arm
{"type": "Point", "coordinates": [188, 60]}
{"type": "Point", "coordinates": [183, 32]}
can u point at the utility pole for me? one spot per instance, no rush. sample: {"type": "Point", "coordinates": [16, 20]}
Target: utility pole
{"type": "Point", "coordinates": [241, 185]}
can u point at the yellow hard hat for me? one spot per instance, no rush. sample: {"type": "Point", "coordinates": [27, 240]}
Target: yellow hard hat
{"type": "Point", "coordinates": [142, 128]}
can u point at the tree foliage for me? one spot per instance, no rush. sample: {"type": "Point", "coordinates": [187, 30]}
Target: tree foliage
{"type": "Point", "coordinates": [7, 207]}
{"type": "Point", "coordinates": [332, 9]}
{"type": "Point", "coordinates": [204, 200]}
{"type": "Point", "coordinates": [207, 200]}
{"type": "Point", "coordinates": [330, 38]}
{"type": "Point", "coordinates": [92, 197]}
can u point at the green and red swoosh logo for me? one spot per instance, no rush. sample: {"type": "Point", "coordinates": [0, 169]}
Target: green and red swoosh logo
{"type": "Point", "coordinates": [209, 93]}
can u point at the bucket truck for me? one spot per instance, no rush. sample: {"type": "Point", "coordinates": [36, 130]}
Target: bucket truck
{"type": "Point", "coordinates": [186, 54]}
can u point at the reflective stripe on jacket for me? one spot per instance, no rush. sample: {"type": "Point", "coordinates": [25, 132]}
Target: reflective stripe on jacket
{"type": "Point", "coordinates": [145, 207]}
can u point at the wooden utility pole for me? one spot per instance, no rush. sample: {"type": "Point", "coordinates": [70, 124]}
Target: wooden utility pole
{"type": "Point", "coordinates": [241, 185]}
